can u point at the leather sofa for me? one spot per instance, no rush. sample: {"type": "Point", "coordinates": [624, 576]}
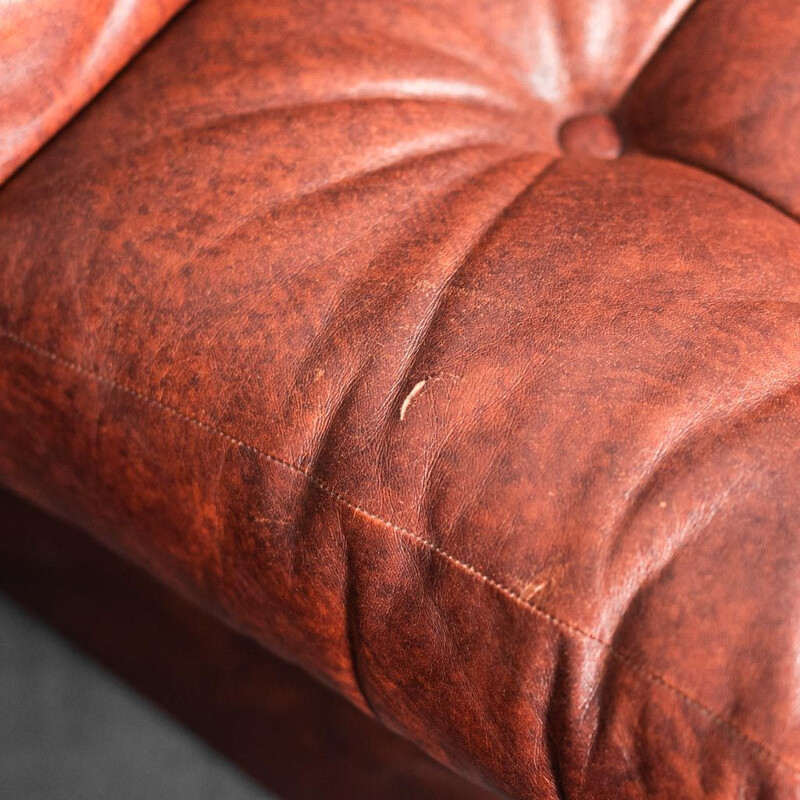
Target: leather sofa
{"type": "Point", "coordinates": [448, 351]}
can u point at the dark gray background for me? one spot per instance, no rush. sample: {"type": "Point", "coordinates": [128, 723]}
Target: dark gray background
{"type": "Point", "coordinates": [69, 730]}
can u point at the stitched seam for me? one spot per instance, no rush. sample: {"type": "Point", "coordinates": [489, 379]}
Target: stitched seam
{"type": "Point", "coordinates": [766, 751]}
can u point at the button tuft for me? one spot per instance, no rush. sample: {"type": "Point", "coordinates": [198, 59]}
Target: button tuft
{"type": "Point", "coordinates": [593, 135]}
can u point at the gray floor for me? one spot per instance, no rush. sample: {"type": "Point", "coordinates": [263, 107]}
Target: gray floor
{"type": "Point", "coordinates": [69, 730]}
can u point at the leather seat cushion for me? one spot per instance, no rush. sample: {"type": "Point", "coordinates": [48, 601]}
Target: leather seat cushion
{"type": "Point", "coordinates": [310, 315]}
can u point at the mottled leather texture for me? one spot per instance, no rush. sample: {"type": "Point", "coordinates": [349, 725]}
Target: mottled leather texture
{"type": "Point", "coordinates": [451, 351]}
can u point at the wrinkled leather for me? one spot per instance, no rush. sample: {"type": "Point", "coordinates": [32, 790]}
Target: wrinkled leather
{"type": "Point", "coordinates": [500, 442]}
{"type": "Point", "coordinates": [55, 55]}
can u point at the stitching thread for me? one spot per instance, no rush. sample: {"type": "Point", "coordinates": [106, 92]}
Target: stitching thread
{"type": "Point", "coordinates": [766, 751]}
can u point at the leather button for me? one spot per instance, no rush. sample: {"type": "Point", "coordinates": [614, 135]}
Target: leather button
{"type": "Point", "coordinates": [593, 135]}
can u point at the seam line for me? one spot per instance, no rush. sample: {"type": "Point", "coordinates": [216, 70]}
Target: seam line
{"type": "Point", "coordinates": [648, 675]}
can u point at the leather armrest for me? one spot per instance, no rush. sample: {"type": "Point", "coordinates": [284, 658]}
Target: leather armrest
{"type": "Point", "coordinates": [56, 55]}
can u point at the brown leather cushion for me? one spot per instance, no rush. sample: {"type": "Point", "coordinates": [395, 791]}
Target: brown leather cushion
{"type": "Point", "coordinates": [311, 315]}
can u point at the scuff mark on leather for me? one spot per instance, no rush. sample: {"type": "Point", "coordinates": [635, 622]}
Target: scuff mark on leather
{"type": "Point", "coordinates": [418, 387]}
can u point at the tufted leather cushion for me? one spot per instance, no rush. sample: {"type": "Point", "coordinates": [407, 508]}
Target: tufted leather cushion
{"type": "Point", "coordinates": [346, 320]}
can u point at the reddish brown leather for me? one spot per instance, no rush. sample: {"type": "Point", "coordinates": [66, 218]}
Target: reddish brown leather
{"type": "Point", "coordinates": [501, 443]}
{"type": "Point", "coordinates": [284, 728]}
{"type": "Point", "coordinates": [55, 55]}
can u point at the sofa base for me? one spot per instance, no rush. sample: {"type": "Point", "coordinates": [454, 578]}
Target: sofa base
{"type": "Point", "coordinates": [283, 727]}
